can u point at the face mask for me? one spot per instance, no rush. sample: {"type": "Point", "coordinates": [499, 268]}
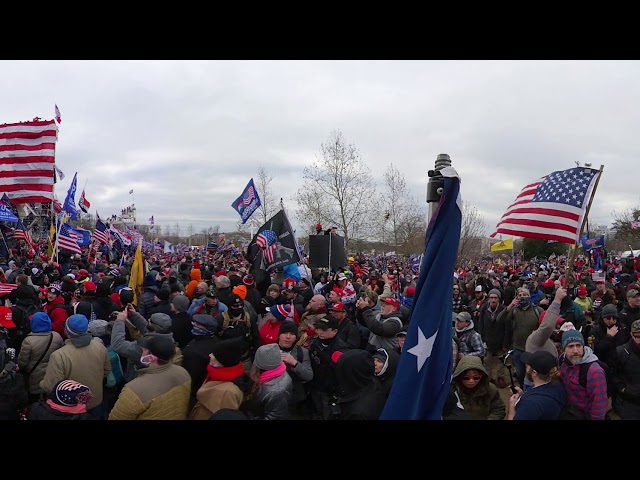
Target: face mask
{"type": "Point", "coordinates": [524, 302]}
{"type": "Point", "coordinates": [146, 359]}
{"type": "Point", "coordinates": [200, 331]}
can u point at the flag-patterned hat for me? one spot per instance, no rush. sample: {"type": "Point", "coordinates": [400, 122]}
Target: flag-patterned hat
{"type": "Point", "coordinates": [69, 393]}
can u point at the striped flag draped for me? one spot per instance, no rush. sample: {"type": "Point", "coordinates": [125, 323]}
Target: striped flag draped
{"type": "Point", "coordinates": [27, 157]}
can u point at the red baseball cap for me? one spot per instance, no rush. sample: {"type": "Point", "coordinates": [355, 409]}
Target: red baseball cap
{"type": "Point", "coordinates": [5, 318]}
{"type": "Point", "coordinates": [90, 287]}
{"type": "Point", "coordinates": [391, 301]}
{"type": "Point", "coordinates": [337, 307]}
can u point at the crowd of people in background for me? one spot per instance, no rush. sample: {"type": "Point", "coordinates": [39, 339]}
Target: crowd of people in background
{"type": "Point", "coordinates": [204, 340]}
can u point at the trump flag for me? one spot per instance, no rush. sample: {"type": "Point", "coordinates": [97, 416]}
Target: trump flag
{"type": "Point", "coordinates": [248, 202]}
{"type": "Point", "coordinates": [423, 376]}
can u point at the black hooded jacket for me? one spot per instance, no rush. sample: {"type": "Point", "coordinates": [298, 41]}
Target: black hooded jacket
{"type": "Point", "coordinates": [359, 395]}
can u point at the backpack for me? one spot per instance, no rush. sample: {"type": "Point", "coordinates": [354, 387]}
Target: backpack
{"type": "Point", "coordinates": [584, 368]}
{"type": "Point", "coordinates": [235, 329]}
{"type": "Point", "coordinates": [572, 412]}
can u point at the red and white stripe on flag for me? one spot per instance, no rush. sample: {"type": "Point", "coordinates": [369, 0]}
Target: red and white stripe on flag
{"type": "Point", "coordinates": [7, 288]}
{"type": "Point", "coordinates": [27, 157]}
{"type": "Point", "coordinates": [68, 240]}
{"type": "Point", "coordinates": [552, 207]}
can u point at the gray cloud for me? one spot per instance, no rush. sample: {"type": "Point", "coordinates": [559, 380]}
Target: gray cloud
{"type": "Point", "coordinates": [188, 135]}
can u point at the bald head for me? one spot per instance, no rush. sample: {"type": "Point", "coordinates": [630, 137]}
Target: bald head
{"type": "Point", "coordinates": [316, 303]}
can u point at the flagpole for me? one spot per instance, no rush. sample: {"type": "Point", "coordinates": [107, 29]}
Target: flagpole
{"type": "Point", "coordinates": [55, 247]}
{"type": "Point", "coordinates": [5, 244]}
{"type": "Point", "coordinates": [572, 258]}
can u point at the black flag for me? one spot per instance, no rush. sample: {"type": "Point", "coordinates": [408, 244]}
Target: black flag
{"type": "Point", "coordinates": [273, 246]}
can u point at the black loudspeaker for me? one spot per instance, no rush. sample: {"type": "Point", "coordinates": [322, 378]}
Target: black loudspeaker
{"type": "Point", "coordinates": [319, 251]}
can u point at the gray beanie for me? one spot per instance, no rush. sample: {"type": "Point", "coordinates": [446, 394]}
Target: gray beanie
{"type": "Point", "coordinates": [161, 322]}
{"type": "Point", "coordinates": [495, 291]}
{"type": "Point", "coordinates": [609, 310]}
{"type": "Point", "coordinates": [181, 303]}
{"type": "Point", "coordinates": [268, 357]}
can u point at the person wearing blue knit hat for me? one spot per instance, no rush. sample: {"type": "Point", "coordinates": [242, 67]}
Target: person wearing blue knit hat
{"type": "Point", "coordinates": [82, 358]}
{"type": "Point", "coordinates": [35, 351]}
{"type": "Point", "coordinates": [590, 399]}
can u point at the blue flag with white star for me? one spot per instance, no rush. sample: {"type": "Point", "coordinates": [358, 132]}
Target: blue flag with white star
{"type": "Point", "coordinates": [423, 376]}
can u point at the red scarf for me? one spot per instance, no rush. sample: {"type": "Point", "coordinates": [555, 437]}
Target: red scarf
{"type": "Point", "coordinates": [223, 374]}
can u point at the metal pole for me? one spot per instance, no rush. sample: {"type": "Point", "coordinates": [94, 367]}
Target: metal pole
{"type": "Point", "coordinates": [436, 183]}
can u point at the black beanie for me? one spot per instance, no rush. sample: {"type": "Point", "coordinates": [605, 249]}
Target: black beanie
{"type": "Point", "coordinates": [229, 352]}
{"type": "Point", "coordinates": [288, 327]}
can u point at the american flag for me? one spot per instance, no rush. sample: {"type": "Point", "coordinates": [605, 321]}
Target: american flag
{"type": "Point", "coordinates": [57, 206]}
{"type": "Point", "coordinates": [267, 240]}
{"type": "Point", "coordinates": [27, 157]}
{"type": "Point", "coordinates": [6, 288]}
{"type": "Point", "coordinates": [100, 233]}
{"type": "Point", "coordinates": [83, 203]}
{"type": "Point", "coordinates": [248, 196]}
{"type": "Point", "coordinates": [21, 233]}
{"type": "Point", "coordinates": [552, 207]}
{"type": "Point", "coordinates": [67, 239]}
{"type": "Point", "coordinates": [58, 117]}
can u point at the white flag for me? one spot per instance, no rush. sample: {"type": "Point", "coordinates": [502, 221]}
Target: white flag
{"type": "Point", "coordinates": [58, 172]}
{"type": "Point", "coordinates": [168, 248]}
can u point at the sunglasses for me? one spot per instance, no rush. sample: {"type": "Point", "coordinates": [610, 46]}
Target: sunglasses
{"type": "Point", "coordinates": [636, 335]}
{"type": "Point", "coordinates": [475, 378]}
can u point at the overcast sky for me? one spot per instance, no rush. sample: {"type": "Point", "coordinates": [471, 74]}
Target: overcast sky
{"type": "Point", "coordinates": [187, 136]}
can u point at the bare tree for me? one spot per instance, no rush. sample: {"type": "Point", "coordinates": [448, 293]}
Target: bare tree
{"type": "Point", "coordinates": [337, 189]}
{"type": "Point", "coordinates": [176, 230]}
{"type": "Point", "coordinates": [626, 235]}
{"type": "Point", "coordinates": [472, 233]}
{"type": "Point", "coordinates": [400, 207]}
{"type": "Point", "coordinates": [269, 204]}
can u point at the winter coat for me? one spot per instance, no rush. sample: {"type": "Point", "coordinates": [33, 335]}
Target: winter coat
{"type": "Point", "coordinates": [88, 364]}
{"type": "Point", "coordinates": [216, 395]}
{"type": "Point", "coordinates": [41, 410]}
{"type": "Point", "coordinates": [383, 328]}
{"type": "Point", "coordinates": [157, 393]}
{"type": "Point", "coordinates": [388, 372]}
{"type": "Point", "coordinates": [58, 315]}
{"type": "Point", "coordinates": [540, 338]}
{"type": "Point", "coordinates": [359, 395]}
{"type": "Point", "coordinates": [271, 402]}
{"type": "Point", "coordinates": [492, 330]}
{"type": "Point", "coordinates": [483, 401]}
{"type": "Point", "coordinates": [591, 399]}
{"type": "Point", "coordinates": [604, 345]}
{"type": "Point", "coordinates": [131, 351]}
{"type": "Point", "coordinates": [626, 372]}
{"type": "Point", "coordinates": [196, 278]}
{"type": "Point", "coordinates": [195, 360]}
{"type": "Point", "coordinates": [544, 402]}
{"type": "Point", "coordinates": [300, 374]}
{"type": "Point", "coordinates": [33, 347]}
{"type": "Point", "coordinates": [320, 352]}
{"type": "Point", "coordinates": [146, 301]}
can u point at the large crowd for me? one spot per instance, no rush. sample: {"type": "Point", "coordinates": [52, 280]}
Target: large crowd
{"type": "Point", "coordinates": [203, 340]}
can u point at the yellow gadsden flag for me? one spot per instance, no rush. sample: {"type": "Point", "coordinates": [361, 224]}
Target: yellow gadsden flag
{"type": "Point", "coordinates": [137, 274]}
{"type": "Point", "coordinates": [503, 245]}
